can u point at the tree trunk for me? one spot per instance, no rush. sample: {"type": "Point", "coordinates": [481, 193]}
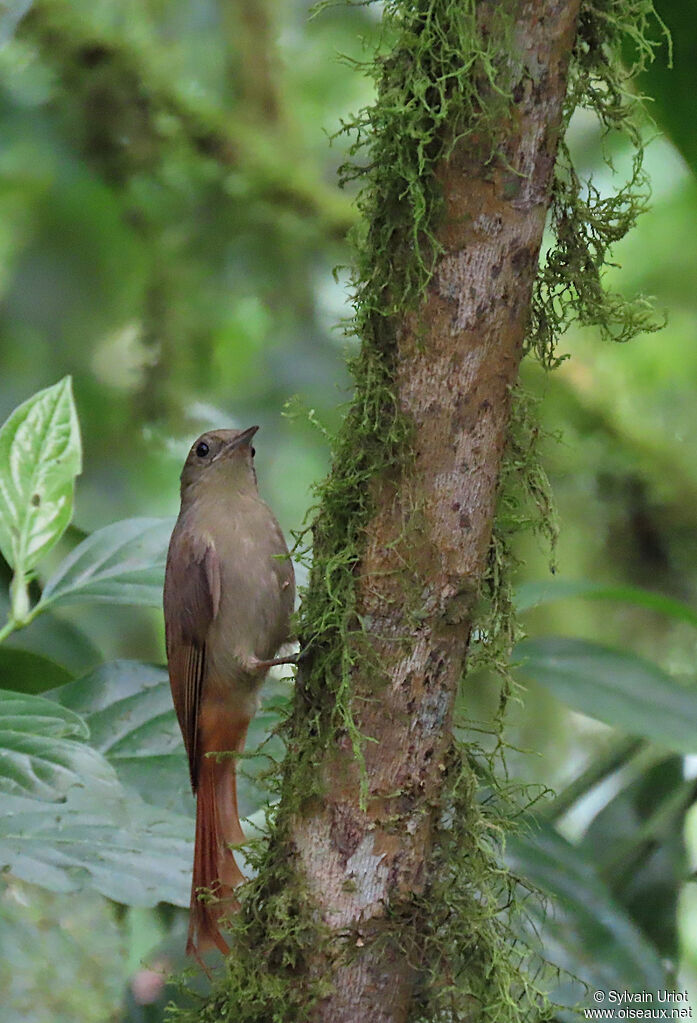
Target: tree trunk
{"type": "Point", "coordinates": [456, 360]}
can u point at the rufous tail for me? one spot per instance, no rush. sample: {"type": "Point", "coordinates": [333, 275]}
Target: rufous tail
{"type": "Point", "coordinates": [215, 873]}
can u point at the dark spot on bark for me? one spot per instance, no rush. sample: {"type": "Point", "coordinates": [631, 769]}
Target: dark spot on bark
{"type": "Point", "coordinates": [545, 165]}
{"type": "Point", "coordinates": [463, 418]}
{"type": "Point", "coordinates": [518, 92]}
{"type": "Point", "coordinates": [345, 832]}
{"type": "Point", "coordinates": [465, 521]}
{"type": "Point", "coordinates": [496, 270]}
{"type": "Point", "coordinates": [455, 506]}
{"type": "Point", "coordinates": [485, 405]}
{"type": "Point", "coordinates": [521, 259]}
{"type": "Point", "coordinates": [419, 875]}
{"type": "Point", "coordinates": [433, 668]}
{"type": "Point", "coordinates": [393, 874]}
{"type": "Point", "coordinates": [540, 88]}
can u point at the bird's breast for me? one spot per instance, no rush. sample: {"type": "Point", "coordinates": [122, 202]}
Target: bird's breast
{"type": "Point", "coordinates": [256, 588]}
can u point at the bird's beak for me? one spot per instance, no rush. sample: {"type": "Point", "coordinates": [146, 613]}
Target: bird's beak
{"type": "Point", "coordinates": [243, 438]}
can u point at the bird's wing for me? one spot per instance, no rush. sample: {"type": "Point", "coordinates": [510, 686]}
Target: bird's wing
{"type": "Point", "coordinates": [191, 601]}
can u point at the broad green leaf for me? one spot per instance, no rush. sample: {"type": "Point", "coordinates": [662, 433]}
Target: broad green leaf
{"type": "Point", "coordinates": [581, 929]}
{"type": "Point", "coordinates": [26, 672]}
{"type": "Point", "coordinates": [65, 820]}
{"type": "Point", "coordinates": [614, 686]}
{"type": "Point", "coordinates": [104, 689]}
{"type": "Point", "coordinates": [128, 707]}
{"type": "Point", "coordinates": [139, 723]}
{"type": "Point", "coordinates": [59, 642]}
{"type": "Point", "coordinates": [123, 563]}
{"type": "Point", "coordinates": [534, 594]}
{"type": "Point", "coordinates": [40, 456]}
{"type": "Point", "coordinates": [41, 716]}
{"type": "Point", "coordinates": [133, 853]}
{"type": "Point", "coordinates": [671, 84]}
{"type": "Point", "coordinates": [41, 755]}
{"type": "Point", "coordinates": [54, 638]}
{"type": "Point", "coordinates": [637, 842]}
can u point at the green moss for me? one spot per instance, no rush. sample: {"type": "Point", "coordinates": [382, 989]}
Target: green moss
{"type": "Point", "coordinates": [429, 81]}
{"type": "Point", "coordinates": [585, 224]}
{"type": "Point", "coordinates": [477, 967]}
{"type": "Point", "coordinates": [437, 83]}
{"type": "Point", "coordinates": [266, 977]}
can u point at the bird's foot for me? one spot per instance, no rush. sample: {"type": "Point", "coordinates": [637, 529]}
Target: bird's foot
{"type": "Point", "coordinates": [257, 665]}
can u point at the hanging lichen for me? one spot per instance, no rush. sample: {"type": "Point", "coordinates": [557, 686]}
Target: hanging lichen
{"type": "Point", "coordinates": [437, 83]}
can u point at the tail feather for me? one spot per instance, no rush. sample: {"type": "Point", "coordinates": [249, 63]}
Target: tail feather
{"type": "Point", "coordinates": [215, 873]}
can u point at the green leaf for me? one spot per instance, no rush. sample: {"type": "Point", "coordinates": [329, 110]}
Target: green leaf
{"type": "Point", "coordinates": [37, 714]}
{"type": "Point", "coordinates": [113, 842]}
{"type": "Point", "coordinates": [582, 930]}
{"type": "Point", "coordinates": [123, 563]}
{"type": "Point", "coordinates": [128, 707]}
{"type": "Point", "coordinates": [535, 594]}
{"type": "Point", "coordinates": [65, 820]}
{"type": "Point", "coordinates": [40, 456]}
{"type": "Point", "coordinates": [637, 842]}
{"type": "Point", "coordinates": [41, 756]}
{"type": "Point", "coordinates": [671, 87]}
{"type": "Point", "coordinates": [26, 672]}
{"type": "Point", "coordinates": [60, 642]}
{"type": "Point", "coordinates": [614, 686]}
{"type": "Point", "coordinates": [53, 638]}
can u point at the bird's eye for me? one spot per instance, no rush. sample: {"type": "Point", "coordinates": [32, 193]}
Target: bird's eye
{"type": "Point", "coordinates": [202, 449]}
{"type": "Point", "coordinates": [253, 450]}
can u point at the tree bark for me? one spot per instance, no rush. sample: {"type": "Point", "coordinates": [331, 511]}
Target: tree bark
{"type": "Point", "coordinates": [457, 360]}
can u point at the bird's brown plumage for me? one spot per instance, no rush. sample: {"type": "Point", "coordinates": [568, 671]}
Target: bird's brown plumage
{"type": "Point", "coordinates": [229, 591]}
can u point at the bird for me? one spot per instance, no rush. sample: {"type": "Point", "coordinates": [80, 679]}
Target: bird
{"type": "Point", "coordinates": [228, 599]}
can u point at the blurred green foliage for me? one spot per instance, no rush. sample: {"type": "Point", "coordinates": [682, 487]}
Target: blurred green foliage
{"type": "Point", "coordinates": [169, 223]}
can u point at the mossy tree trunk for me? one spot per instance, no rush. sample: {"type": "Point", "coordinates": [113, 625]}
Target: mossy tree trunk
{"type": "Point", "coordinates": [453, 359]}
